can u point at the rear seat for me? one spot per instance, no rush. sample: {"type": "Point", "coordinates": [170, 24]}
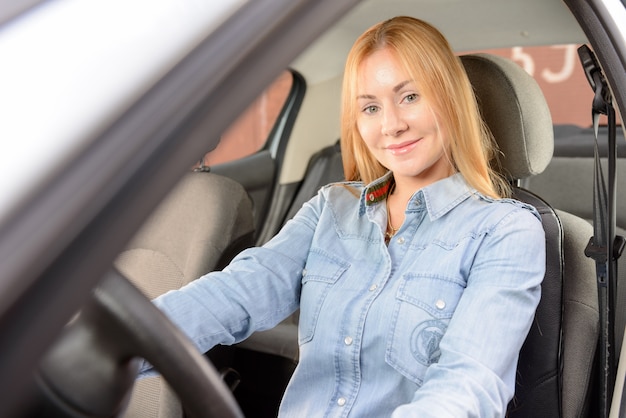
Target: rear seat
{"type": "Point", "coordinates": [568, 181]}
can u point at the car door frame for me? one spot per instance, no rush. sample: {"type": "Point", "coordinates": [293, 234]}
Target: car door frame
{"type": "Point", "coordinates": [51, 263]}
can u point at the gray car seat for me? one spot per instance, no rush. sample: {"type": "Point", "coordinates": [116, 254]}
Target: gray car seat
{"type": "Point", "coordinates": [556, 363]}
{"type": "Point", "coordinates": [200, 226]}
{"type": "Point", "coordinates": [515, 110]}
{"type": "Point", "coordinates": [568, 180]}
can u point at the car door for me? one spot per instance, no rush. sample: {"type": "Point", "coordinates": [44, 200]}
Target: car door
{"type": "Point", "coordinates": [115, 97]}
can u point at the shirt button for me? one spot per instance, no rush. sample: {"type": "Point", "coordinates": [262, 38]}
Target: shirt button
{"type": "Point", "coordinates": [303, 272]}
{"type": "Point", "coordinates": [418, 202]}
{"type": "Point", "coordinates": [341, 401]}
{"type": "Point", "coordinates": [440, 304]}
{"type": "Point", "coordinates": [373, 287]}
{"type": "Point", "coordinates": [347, 341]}
{"type": "Point", "coordinates": [372, 197]}
{"type": "Point", "coordinates": [400, 240]}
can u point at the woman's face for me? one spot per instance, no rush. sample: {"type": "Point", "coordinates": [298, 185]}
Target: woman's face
{"type": "Point", "coordinates": [397, 123]}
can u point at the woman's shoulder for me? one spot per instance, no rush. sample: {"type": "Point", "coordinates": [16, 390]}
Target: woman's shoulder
{"type": "Point", "coordinates": [503, 211]}
{"type": "Point", "coordinates": [507, 203]}
{"type": "Point", "coordinates": [342, 190]}
{"type": "Point", "coordinates": [454, 194]}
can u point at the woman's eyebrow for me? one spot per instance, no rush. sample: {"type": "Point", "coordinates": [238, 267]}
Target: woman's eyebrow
{"type": "Point", "coordinates": [401, 85]}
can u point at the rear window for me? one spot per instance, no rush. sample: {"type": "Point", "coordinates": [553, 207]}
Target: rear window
{"type": "Point", "coordinates": [558, 72]}
{"type": "Point", "coordinates": [251, 130]}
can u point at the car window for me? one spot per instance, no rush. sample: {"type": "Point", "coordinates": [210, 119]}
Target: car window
{"type": "Point", "coordinates": [558, 71]}
{"type": "Point", "coordinates": [250, 131]}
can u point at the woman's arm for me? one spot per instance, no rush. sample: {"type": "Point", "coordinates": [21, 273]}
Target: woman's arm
{"type": "Point", "coordinates": [259, 288]}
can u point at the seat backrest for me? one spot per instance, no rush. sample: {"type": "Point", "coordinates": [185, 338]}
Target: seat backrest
{"type": "Point", "coordinates": [199, 227]}
{"type": "Point", "coordinates": [556, 362]}
{"type": "Point", "coordinates": [204, 221]}
{"type": "Point", "coordinates": [324, 167]}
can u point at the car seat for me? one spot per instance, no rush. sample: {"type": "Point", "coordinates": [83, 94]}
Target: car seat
{"type": "Point", "coordinates": [199, 227]}
{"type": "Point", "coordinates": [568, 180]}
{"type": "Point", "coordinates": [556, 363]}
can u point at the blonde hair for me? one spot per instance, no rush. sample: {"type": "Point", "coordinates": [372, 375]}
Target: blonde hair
{"type": "Point", "coordinates": [428, 58]}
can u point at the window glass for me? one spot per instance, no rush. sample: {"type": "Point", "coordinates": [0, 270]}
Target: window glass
{"type": "Point", "coordinates": [558, 72]}
{"type": "Point", "coordinates": [251, 130]}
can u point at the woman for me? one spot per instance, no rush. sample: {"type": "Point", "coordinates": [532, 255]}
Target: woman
{"type": "Point", "coordinates": [417, 279]}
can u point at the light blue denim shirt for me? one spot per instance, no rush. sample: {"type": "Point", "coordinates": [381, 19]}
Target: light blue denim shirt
{"type": "Point", "coordinates": [429, 326]}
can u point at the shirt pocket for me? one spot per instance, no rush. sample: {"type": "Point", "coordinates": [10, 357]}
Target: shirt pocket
{"type": "Point", "coordinates": [321, 272]}
{"type": "Point", "coordinates": [423, 307]}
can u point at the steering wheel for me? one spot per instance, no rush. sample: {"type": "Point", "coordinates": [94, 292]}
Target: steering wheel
{"type": "Point", "coordinates": [90, 371]}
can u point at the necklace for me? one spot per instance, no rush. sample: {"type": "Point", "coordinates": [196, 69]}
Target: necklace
{"type": "Point", "coordinates": [391, 231]}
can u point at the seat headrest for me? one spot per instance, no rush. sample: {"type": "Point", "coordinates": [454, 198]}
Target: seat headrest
{"type": "Point", "coordinates": [515, 111]}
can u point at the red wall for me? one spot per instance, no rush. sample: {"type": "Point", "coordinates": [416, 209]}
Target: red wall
{"type": "Point", "coordinates": [558, 72]}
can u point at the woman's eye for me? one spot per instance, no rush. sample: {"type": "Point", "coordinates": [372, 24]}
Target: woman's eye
{"type": "Point", "coordinates": [409, 98]}
{"type": "Point", "coordinates": [370, 109]}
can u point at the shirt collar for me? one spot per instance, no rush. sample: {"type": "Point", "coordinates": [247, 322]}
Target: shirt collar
{"type": "Point", "coordinates": [375, 192]}
{"type": "Point", "coordinates": [444, 195]}
{"type": "Point", "coordinates": [439, 197]}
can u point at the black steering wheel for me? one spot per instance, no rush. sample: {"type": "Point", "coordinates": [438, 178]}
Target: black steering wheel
{"type": "Point", "coordinates": [90, 371]}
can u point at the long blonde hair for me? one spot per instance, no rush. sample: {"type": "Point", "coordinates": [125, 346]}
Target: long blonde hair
{"type": "Point", "coordinates": [429, 59]}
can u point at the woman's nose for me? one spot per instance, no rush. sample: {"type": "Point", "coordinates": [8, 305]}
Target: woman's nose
{"type": "Point", "coordinates": [393, 123]}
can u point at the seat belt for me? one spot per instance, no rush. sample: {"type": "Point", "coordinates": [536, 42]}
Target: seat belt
{"type": "Point", "coordinates": [604, 247]}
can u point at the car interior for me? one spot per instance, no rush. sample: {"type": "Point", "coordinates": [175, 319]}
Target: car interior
{"type": "Point", "coordinates": [558, 359]}
{"type": "Point", "coordinates": [187, 220]}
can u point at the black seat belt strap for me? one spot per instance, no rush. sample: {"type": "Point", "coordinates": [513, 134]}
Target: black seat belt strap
{"type": "Point", "coordinates": [604, 247]}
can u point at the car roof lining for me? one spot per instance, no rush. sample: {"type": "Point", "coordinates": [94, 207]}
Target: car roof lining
{"type": "Point", "coordinates": [534, 22]}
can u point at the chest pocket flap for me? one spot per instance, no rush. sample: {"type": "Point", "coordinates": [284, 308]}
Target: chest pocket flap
{"type": "Point", "coordinates": [321, 272]}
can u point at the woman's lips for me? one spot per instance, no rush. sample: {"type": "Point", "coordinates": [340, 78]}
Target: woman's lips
{"type": "Point", "coordinates": [402, 148]}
